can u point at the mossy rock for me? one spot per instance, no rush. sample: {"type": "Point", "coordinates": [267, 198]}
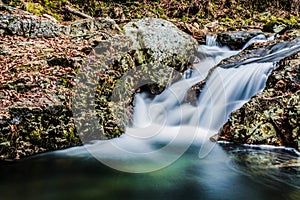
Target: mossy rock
{"type": "Point", "coordinates": [273, 116]}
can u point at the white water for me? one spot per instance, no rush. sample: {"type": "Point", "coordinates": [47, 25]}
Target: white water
{"type": "Point", "coordinates": [163, 128]}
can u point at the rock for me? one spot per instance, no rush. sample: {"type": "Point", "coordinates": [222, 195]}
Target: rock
{"type": "Point", "coordinates": [5, 19]}
{"type": "Point", "coordinates": [32, 28]}
{"type": "Point", "coordinates": [97, 81]}
{"type": "Point", "coordinates": [279, 28]}
{"type": "Point", "coordinates": [86, 27]}
{"type": "Point", "coordinates": [273, 116]}
{"type": "Point", "coordinates": [255, 160]}
{"type": "Point", "coordinates": [36, 130]}
{"type": "Point", "coordinates": [35, 107]}
{"type": "Point", "coordinates": [162, 42]}
{"type": "Point", "coordinates": [36, 112]}
{"type": "Point", "coordinates": [274, 27]}
{"type": "Point", "coordinates": [144, 59]}
{"type": "Point", "coordinates": [236, 40]}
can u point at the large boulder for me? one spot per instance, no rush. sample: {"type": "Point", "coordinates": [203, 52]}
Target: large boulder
{"type": "Point", "coordinates": [156, 56]}
{"type": "Point", "coordinates": [17, 22]}
{"type": "Point", "coordinates": [162, 42]}
{"type": "Point", "coordinates": [32, 27]}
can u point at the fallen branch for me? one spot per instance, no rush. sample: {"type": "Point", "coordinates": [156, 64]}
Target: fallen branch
{"type": "Point", "coordinates": [118, 21]}
{"type": "Point", "coordinates": [50, 17]}
{"type": "Point", "coordinates": [78, 13]}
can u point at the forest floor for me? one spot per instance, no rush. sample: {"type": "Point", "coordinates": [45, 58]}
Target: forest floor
{"type": "Point", "coordinates": [194, 17]}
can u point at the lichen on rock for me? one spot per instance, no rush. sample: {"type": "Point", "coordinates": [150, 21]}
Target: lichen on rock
{"type": "Point", "coordinates": [273, 116]}
{"type": "Point", "coordinates": [144, 59]}
{"type": "Point", "coordinates": [163, 41]}
{"type": "Point", "coordinates": [41, 73]}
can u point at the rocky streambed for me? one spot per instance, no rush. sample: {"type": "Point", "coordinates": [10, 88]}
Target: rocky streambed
{"type": "Point", "coordinates": [272, 116]}
{"type": "Point", "coordinates": [42, 63]}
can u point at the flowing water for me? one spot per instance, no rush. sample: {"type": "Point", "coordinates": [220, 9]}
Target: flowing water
{"type": "Point", "coordinates": [166, 153]}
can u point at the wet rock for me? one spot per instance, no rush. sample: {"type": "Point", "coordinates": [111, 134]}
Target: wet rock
{"type": "Point", "coordinates": [97, 81]}
{"type": "Point", "coordinates": [236, 40]}
{"type": "Point", "coordinates": [36, 130]}
{"type": "Point", "coordinates": [273, 116]}
{"type": "Point", "coordinates": [274, 27]}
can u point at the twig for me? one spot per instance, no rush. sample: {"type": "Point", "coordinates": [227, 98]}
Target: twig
{"type": "Point", "coordinates": [50, 17]}
{"type": "Point", "coordinates": [78, 13]}
{"type": "Point", "coordinates": [122, 20]}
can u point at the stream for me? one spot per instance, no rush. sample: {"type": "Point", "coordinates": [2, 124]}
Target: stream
{"type": "Point", "coordinates": [167, 153]}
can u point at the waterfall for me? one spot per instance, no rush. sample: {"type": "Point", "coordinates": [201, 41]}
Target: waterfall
{"type": "Point", "coordinates": [164, 127]}
{"type": "Point", "coordinates": [211, 40]}
{"type": "Point", "coordinates": [227, 90]}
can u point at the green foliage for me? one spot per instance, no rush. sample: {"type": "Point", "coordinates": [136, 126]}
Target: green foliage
{"type": "Point", "coordinates": [183, 10]}
{"type": "Point", "coordinates": [35, 8]}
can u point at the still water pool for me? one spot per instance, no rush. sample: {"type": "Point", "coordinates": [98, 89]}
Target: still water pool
{"type": "Point", "coordinates": [227, 172]}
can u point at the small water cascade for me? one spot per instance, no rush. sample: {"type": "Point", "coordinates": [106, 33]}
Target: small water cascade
{"type": "Point", "coordinates": [164, 127]}
{"type": "Point", "coordinates": [211, 40]}
{"type": "Point", "coordinates": [165, 139]}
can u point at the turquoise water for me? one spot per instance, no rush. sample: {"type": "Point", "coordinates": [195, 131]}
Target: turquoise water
{"type": "Point", "coordinates": [224, 172]}
{"type": "Point", "coordinates": [228, 172]}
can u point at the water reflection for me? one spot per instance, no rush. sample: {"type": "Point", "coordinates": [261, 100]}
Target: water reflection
{"type": "Point", "coordinates": [265, 164]}
{"type": "Point", "coordinates": [228, 172]}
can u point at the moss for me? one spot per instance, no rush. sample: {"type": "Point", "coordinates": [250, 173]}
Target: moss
{"type": "Point", "coordinates": [293, 20]}
{"type": "Point", "coordinates": [272, 116]}
{"type": "Point", "coordinates": [35, 8]}
{"type": "Point", "coordinates": [35, 136]}
{"type": "Point", "coordinates": [239, 8]}
{"type": "Point", "coordinates": [226, 19]}
{"type": "Point", "coordinates": [263, 18]}
{"type": "Point", "coordinates": [184, 18]}
{"type": "Point", "coordinates": [232, 15]}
